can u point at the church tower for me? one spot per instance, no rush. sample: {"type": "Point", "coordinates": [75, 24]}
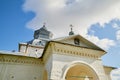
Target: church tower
{"type": "Point", "coordinates": [42, 33]}
{"type": "Point", "coordinates": [41, 36]}
{"type": "Point", "coordinates": [36, 46]}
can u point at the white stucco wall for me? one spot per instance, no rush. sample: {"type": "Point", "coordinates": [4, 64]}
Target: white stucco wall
{"type": "Point", "coordinates": [20, 68]}
{"type": "Point", "coordinates": [48, 66]}
{"type": "Point", "coordinates": [31, 51]}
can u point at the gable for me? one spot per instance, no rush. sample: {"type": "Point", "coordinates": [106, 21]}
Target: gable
{"type": "Point", "coordinates": [78, 40]}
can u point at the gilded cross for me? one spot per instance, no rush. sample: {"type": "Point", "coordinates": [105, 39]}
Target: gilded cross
{"type": "Point", "coordinates": [71, 27]}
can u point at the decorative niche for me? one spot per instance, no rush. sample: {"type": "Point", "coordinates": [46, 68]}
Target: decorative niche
{"type": "Point", "coordinates": [76, 41]}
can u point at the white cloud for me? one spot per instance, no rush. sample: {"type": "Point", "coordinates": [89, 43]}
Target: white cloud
{"type": "Point", "coordinates": [118, 35]}
{"type": "Point", "coordinates": [59, 14]}
{"type": "Point", "coordinates": [115, 74]}
{"type": "Point", "coordinates": [103, 43]}
{"type": "Point", "coordinates": [116, 26]}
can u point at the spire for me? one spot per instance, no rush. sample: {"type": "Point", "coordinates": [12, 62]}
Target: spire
{"type": "Point", "coordinates": [71, 32]}
{"type": "Point", "coordinates": [44, 26]}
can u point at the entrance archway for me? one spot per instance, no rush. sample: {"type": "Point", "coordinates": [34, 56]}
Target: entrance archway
{"type": "Point", "coordinates": [81, 72]}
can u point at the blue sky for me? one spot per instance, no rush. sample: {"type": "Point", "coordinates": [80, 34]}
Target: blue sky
{"type": "Point", "coordinates": [19, 19]}
{"type": "Point", "coordinates": [108, 31]}
{"type": "Point", "coordinates": [12, 24]}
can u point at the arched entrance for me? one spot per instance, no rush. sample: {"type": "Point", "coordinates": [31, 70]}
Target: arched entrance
{"type": "Point", "coordinates": [81, 72]}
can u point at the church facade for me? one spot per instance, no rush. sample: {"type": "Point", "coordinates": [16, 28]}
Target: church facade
{"type": "Point", "coordinates": [43, 58]}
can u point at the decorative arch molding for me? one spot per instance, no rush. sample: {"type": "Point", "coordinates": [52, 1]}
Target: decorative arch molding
{"type": "Point", "coordinates": [74, 63]}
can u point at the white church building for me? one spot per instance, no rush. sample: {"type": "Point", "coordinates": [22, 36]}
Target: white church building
{"type": "Point", "coordinates": [67, 58]}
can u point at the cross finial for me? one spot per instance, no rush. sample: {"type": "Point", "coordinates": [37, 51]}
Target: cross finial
{"type": "Point", "coordinates": [71, 27]}
{"type": "Point", "coordinates": [44, 24]}
{"type": "Point", "coordinates": [71, 32]}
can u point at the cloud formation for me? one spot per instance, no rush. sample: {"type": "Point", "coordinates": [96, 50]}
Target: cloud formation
{"type": "Point", "coordinates": [59, 14]}
{"type": "Point", "coordinates": [115, 74]}
{"type": "Point", "coordinates": [118, 35]}
{"type": "Point", "coordinates": [103, 43]}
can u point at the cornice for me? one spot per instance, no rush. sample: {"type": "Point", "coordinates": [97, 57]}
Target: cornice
{"type": "Point", "coordinates": [76, 51]}
{"type": "Point", "coordinates": [11, 59]}
{"type": "Point", "coordinates": [64, 49]}
{"type": "Point", "coordinates": [30, 45]}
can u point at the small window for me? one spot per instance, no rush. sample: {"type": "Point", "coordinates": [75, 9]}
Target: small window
{"type": "Point", "coordinates": [76, 41]}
